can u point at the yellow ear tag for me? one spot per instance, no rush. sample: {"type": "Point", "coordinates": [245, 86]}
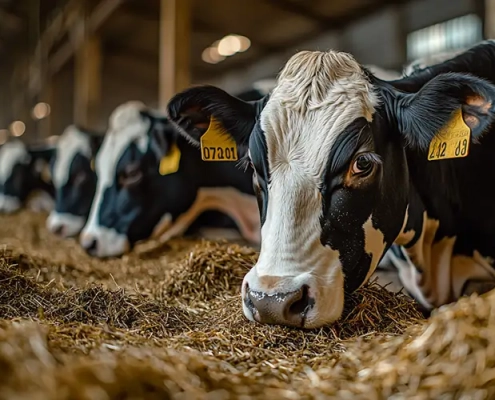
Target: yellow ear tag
{"type": "Point", "coordinates": [92, 165]}
{"type": "Point", "coordinates": [452, 141]}
{"type": "Point", "coordinates": [170, 163]}
{"type": "Point", "coordinates": [46, 176]}
{"type": "Point", "coordinates": [217, 145]}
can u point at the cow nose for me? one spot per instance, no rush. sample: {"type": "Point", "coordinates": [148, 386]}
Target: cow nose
{"type": "Point", "coordinates": [58, 230]}
{"type": "Point", "coordinates": [288, 309]}
{"type": "Point", "coordinates": [90, 245]}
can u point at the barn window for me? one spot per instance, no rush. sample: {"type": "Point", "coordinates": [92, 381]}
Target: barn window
{"type": "Point", "coordinates": [450, 35]}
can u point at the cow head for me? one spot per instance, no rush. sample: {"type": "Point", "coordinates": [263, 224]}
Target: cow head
{"type": "Point", "coordinates": [328, 147]}
{"type": "Point", "coordinates": [127, 205]}
{"type": "Point", "coordinates": [22, 172]}
{"type": "Point", "coordinates": [74, 180]}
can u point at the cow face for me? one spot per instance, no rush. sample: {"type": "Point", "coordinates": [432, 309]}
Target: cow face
{"type": "Point", "coordinates": [74, 181]}
{"type": "Point", "coordinates": [125, 208]}
{"type": "Point", "coordinates": [22, 171]}
{"type": "Point", "coordinates": [328, 147]}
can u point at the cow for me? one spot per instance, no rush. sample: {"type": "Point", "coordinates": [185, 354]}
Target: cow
{"type": "Point", "coordinates": [74, 180]}
{"type": "Point", "coordinates": [347, 164]}
{"type": "Point", "coordinates": [25, 177]}
{"type": "Point", "coordinates": [153, 183]}
{"type": "Point", "coordinates": [424, 62]}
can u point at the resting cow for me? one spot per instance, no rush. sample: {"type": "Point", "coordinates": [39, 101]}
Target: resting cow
{"type": "Point", "coordinates": [347, 164]}
{"type": "Point", "coordinates": [74, 180]}
{"type": "Point", "coordinates": [25, 177]}
{"type": "Point", "coordinates": [151, 182]}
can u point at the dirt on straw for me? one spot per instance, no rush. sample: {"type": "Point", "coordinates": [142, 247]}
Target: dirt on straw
{"type": "Point", "coordinates": [169, 324]}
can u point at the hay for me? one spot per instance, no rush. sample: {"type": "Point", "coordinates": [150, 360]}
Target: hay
{"type": "Point", "coordinates": [169, 325]}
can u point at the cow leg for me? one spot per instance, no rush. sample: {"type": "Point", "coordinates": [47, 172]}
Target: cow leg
{"type": "Point", "coordinates": [242, 208]}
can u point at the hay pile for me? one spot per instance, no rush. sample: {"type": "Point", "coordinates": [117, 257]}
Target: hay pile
{"type": "Point", "coordinates": [171, 326]}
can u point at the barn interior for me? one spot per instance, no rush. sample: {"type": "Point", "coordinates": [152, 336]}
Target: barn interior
{"type": "Point", "coordinates": [165, 320]}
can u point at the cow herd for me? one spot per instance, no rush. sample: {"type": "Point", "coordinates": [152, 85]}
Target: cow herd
{"type": "Point", "coordinates": [338, 168]}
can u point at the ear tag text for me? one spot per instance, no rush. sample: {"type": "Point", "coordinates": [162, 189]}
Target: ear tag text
{"type": "Point", "coordinates": [92, 164]}
{"type": "Point", "coordinates": [170, 163]}
{"type": "Point", "coordinates": [452, 141]}
{"type": "Point", "coordinates": [217, 145]}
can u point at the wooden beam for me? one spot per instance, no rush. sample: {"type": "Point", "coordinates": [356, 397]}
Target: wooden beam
{"type": "Point", "coordinates": [102, 12]}
{"type": "Point", "coordinates": [87, 82]}
{"type": "Point", "coordinates": [302, 11]}
{"type": "Point", "coordinates": [334, 24]}
{"type": "Point", "coordinates": [175, 48]}
{"type": "Point", "coordinates": [489, 23]}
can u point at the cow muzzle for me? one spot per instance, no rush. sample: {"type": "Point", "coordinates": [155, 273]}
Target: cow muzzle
{"type": "Point", "coordinates": [64, 225]}
{"type": "Point", "coordinates": [302, 301]}
{"type": "Point", "coordinates": [9, 204]}
{"type": "Point", "coordinates": [103, 243]}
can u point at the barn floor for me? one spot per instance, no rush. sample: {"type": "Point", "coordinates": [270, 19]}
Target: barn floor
{"type": "Point", "coordinates": [166, 322]}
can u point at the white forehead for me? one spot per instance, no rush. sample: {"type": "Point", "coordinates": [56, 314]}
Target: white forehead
{"type": "Point", "coordinates": [318, 94]}
{"type": "Point", "coordinates": [71, 142]}
{"type": "Point", "coordinates": [12, 153]}
{"type": "Point", "coordinates": [126, 126]}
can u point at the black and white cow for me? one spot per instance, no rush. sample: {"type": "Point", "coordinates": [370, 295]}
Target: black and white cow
{"type": "Point", "coordinates": [342, 172]}
{"type": "Point", "coordinates": [134, 201]}
{"type": "Point", "coordinates": [74, 180]}
{"type": "Point", "coordinates": [25, 177]}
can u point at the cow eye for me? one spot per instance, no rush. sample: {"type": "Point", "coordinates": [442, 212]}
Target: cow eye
{"type": "Point", "coordinates": [363, 165]}
{"type": "Point", "coordinates": [131, 175]}
{"type": "Point", "coordinates": [79, 178]}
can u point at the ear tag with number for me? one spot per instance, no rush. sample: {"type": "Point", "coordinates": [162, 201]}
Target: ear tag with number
{"type": "Point", "coordinates": [217, 144]}
{"type": "Point", "coordinates": [170, 163]}
{"type": "Point", "coordinates": [452, 141]}
{"type": "Point", "coordinates": [92, 164]}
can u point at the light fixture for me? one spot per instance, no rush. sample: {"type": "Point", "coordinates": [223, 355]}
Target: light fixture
{"type": "Point", "coordinates": [41, 111]}
{"type": "Point", "coordinates": [229, 45]}
{"type": "Point", "coordinates": [17, 128]}
{"type": "Point", "coordinates": [225, 47]}
{"type": "Point", "coordinates": [245, 43]}
{"type": "Point", "coordinates": [211, 55]}
{"type": "Point", "coordinates": [4, 134]}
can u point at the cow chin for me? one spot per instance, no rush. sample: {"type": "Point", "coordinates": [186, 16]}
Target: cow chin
{"type": "Point", "coordinates": [104, 242]}
{"type": "Point", "coordinates": [304, 301]}
{"type": "Point", "coordinates": [9, 204]}
{"type": "Point", "coordinates": [65, 224]}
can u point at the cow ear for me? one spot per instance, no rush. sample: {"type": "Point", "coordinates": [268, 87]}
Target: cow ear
{"type": "Point", "coordinates": [438, 105]}
{"type": "Point", "coordinates": [192, 110]}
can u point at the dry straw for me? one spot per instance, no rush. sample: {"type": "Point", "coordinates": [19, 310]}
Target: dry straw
{"type": "Point", "coordinates": [170, 325]}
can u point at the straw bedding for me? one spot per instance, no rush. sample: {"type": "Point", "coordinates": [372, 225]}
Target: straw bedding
{"type": "Point", "coordinates": [168, 324]}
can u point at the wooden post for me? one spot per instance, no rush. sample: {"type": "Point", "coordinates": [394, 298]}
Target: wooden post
{"type": "Point", "coordinates": [87, 82]}
{"type": "Point", "coordinates": [489, 23]}
{"type": "Point", "coordinates": [175, 48]}
{"type": "Point", "coordinates": [47, 96]}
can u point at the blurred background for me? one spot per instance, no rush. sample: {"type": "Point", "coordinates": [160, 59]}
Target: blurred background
{"type": "Point", "coordinates": [65, 61]}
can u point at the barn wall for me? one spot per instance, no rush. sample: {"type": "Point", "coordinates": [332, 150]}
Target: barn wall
{"type": "Point", "coordinates": [378, 40]}
{"type": "Point", "coordinates": [62, 107]}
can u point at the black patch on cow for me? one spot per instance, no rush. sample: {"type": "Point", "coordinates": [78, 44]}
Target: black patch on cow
{"type": "Point", "coordinates": [76, 195]}
{"type": "Point", "coordinates": [259, 160]}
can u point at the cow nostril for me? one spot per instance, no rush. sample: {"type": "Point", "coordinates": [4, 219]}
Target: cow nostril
{"type": "Point", "coordinates": [300, 304]}
{"type": "Point", "coordinates": [90, 246]}
{"type": "Point", "coordinates": [59, 230]}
